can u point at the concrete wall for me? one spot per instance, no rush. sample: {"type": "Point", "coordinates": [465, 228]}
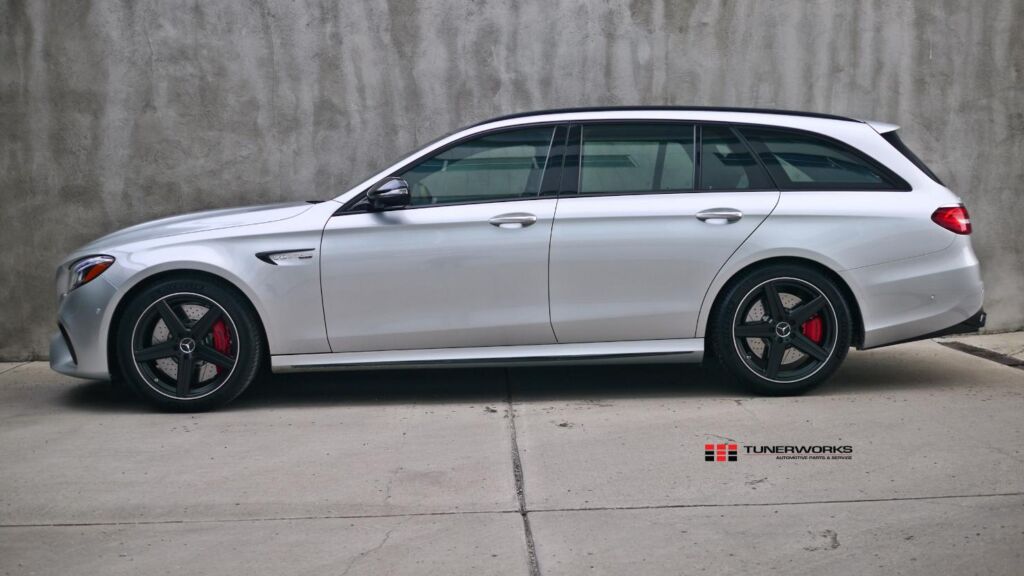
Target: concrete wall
{"type": "Point", "coordinates": [112, 113]}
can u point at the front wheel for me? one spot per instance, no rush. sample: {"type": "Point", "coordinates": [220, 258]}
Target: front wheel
{"type": "Point", "coordinates": [189, 344]}
{"type": "Point", "coordinates": [781, 330]}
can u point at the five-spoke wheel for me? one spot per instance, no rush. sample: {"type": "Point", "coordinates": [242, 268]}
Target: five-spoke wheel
{"type": "Point", "coordinates": [782, 329]}
{"type": "Point", "coordinates": [185, 345]}
{"type": "Point", "coordinates": [189, 344]}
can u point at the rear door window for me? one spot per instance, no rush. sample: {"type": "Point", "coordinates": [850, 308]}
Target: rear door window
{"type": "Point", "coordinates": [727, 164]}
{"type": "Point", "coordinates": [637, 158]}
{"type": "Point", "coordinates": [801, 161]}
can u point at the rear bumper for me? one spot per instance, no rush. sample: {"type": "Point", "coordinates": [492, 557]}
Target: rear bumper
{"type": "Point", "coordinates": [972, 324]}
{"type": "Point", "coordinates": [918, 298]}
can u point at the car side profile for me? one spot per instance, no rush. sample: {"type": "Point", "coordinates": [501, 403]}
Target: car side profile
{"type": "Point", "coordinates": [770, 242]}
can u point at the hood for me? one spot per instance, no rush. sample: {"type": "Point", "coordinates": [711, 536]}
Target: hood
{"type": "Point", "coordinates": [197, 222]}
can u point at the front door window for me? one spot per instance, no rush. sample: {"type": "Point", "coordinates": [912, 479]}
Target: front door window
{"type": "Point", "coordinates": [499, 166]}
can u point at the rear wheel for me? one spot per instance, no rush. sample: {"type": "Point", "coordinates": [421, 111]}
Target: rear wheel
{"type": "Point", "coordinates": [782, 329]}
{"type": "Point", "coordinates": [189, 345]}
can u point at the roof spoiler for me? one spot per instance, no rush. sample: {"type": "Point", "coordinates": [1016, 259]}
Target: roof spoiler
{"type": "Point", "coordinates": [881, 127]}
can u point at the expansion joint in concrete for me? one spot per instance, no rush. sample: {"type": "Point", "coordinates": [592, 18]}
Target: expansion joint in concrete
{"type": "Point", "coordinates": [1004, 359]}
{"type": "Point", "coordinates": [517, 473]}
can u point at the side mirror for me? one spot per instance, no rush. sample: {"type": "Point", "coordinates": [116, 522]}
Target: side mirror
{"type": "Point", "coordinates": [391, 193]}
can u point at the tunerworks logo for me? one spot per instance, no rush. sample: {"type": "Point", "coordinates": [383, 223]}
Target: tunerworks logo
{"type": "Point", "coordinates": [806, 452]}
{"type": "Point", "coordinates": [728, 452]}
{"type": "Point", "coordinates": [720, 452]}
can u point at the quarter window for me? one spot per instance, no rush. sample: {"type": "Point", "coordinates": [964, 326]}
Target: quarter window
{"type": "Point", "coordinates": [803, 161]}
{"type": "Point", "coordinates": [501, 166]}
{"type": "Point", "coordinates": [636, 158]}
{"type": "Point", "coordinates": [727, 164]}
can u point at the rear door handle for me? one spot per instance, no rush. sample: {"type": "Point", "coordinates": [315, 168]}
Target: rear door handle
{"type": "Point", "coordinates": [513, 220]}
{"type": "Point", "coordinates": [719, 215]}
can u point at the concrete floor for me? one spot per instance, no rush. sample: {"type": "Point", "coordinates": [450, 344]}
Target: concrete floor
{"type": "Point", "coordinates": [1008, 345]}
{"type": "Point", "coordinates": [425, 472]}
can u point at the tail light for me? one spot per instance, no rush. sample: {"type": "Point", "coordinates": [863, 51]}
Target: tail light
{"type": "Point", "coordinates": [953, 218]}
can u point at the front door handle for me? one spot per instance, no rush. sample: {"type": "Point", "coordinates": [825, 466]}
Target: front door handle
{"type": "Point", "coordinates": [719, 215]}
{"type": "Point", "coordinates": [513, 220]}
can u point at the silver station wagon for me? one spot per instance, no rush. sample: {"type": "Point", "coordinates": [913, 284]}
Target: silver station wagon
{"type": "Point", "coordinates": [767, 242]}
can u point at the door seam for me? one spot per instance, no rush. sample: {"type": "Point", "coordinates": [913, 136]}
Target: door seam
{"type": "Point", "coordinates": [551, 234]}
{"type": "Point", "coordinates": [703, 302]}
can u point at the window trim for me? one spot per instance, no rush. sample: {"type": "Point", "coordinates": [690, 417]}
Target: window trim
{"type": "Point", "coordinates": [743, 142]}
{"type": "Point", "coordinates": [572, 166]}
{"type": "Point", "coordinates": [551, 179]}
{"type": "Point", "coordinates": [350, 206]}
{"type": "Point", "coordinates": [698, 157]}
{"type": "Point", "coordinates": [750, 148]}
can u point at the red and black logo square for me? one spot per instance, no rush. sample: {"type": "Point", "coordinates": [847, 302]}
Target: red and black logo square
{"type": "Point", "coordinates": [720, 452]}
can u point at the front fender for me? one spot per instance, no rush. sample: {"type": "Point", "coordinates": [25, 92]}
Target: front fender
{"type": "Point", "coordinates": [287, 299]}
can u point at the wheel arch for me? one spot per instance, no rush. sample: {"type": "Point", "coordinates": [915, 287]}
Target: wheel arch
{"type": "Point", "coordinates": [736, 276]}
{"type": "Point", "coordinates": [175, 273]}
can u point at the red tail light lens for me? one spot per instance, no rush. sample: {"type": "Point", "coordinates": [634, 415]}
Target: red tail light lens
{"type": "Point", "coordinates": [953, 218]}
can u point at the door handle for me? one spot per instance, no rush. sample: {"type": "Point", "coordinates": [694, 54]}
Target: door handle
{"type": "Point", "coordinates": [513, 220]}
{"type": "Point", "coordinates": [719, 215]}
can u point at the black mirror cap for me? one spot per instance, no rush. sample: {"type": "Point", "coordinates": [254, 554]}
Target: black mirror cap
{"type": "Point", "coordinates": [391, 193]}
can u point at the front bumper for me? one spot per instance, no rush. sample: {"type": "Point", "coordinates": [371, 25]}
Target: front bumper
{"type": "Point", "coordinates": [79, 348]}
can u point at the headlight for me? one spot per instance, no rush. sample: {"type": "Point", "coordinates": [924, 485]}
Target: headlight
{"type": "Point", "coordinates": [87, 269]}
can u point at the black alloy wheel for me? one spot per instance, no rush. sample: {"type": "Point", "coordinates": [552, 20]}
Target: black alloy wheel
{"type": "Point", "coordinates": [184, 346]}
{"type": "Point", "coordinates": [782, 330]}
{"type": "Point", "coordinates": [189, 345]}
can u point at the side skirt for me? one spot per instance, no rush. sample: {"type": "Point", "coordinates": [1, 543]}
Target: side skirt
{"type": "Point", "coordinates": [646, 351]}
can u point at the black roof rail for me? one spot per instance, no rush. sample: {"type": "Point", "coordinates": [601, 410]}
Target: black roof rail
{"type": "Point", "coordinates": [666, 109]}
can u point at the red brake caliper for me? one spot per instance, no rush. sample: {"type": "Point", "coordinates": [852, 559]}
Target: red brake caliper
{"type": "Point", "coordinates": [812, 329]}
{"type": "Point", "coordinates": [221, 339]}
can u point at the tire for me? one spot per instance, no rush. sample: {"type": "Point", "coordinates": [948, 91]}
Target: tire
{"type": "Point", "coordinates": [781, 330]}
{"type": "Point", "coordinates": [179, 359]}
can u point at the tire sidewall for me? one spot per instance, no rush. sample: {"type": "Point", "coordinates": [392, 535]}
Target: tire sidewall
{"type": "Point", "coordinates": [249, 336]}
{"type": "Point", "coordinates": [722, 319]}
